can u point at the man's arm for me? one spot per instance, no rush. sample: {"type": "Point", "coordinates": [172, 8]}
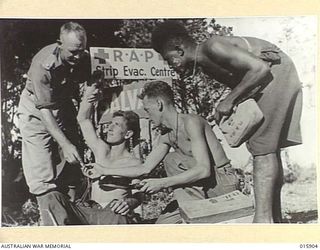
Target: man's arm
{"type": "Point", "coordinates": [237, 61]}
{"type": "Point", "coordinates": [200, 151]}
{"type": "Point", "coordinates": [41, 79]}
{"type": "Point", "coordinates": [216, 150]}
{"type": "Point", "coordinates": [130, 169]}
{"type": "Point", "coordinates": [69, 150]}
{"type": "Point", "coordinates": [87, 128]}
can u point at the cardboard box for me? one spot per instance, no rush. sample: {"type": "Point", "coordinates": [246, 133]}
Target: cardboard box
{"type": "Point", "coordinates": [222, 208]}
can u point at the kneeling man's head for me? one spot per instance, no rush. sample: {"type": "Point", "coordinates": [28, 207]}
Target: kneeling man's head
{"type": "Point", "coordinates": [156, 96]}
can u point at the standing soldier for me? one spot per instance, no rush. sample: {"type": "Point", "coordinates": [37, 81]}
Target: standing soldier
{"type": "Point", "coordinates": [48, 125]}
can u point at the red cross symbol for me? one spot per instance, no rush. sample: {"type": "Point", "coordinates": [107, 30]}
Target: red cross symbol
{"type": "Point", "coordinates": [101, 56]}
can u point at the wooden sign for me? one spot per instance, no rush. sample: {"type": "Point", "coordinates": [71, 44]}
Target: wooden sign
{"type": "Point", "coordinates": [130, 63]}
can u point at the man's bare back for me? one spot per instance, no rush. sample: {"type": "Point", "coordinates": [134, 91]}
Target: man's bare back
{"type": "Point", "coordinates": [216, 68]}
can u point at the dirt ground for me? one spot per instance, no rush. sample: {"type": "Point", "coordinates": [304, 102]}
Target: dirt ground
{"type": "Point", "coordinates": [299, 203]}
{"type": "Point", "coordinates": [299, 198]}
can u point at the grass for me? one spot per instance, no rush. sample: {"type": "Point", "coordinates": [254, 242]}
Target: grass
{"type": "Point", "coordinates": [299, 198]}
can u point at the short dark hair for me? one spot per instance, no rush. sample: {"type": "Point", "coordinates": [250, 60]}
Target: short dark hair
{"type": "Point", "coordinates": [169, 34]}
{"type": "Point", "coordinates": [132, 122]}
{"type": "Point", "coordinates": [73, 27]}
{"type": "Point", "coordinates": [157, 89]}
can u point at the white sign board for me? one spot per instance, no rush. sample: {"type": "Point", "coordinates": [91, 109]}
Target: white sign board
{"type": "Point", "coordinates": [127, 100]}
{"type": "Point", "coordinates": [130, 63]}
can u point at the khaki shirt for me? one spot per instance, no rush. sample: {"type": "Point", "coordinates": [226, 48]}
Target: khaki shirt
{"type": "Point", "coordinates": [53, 82]}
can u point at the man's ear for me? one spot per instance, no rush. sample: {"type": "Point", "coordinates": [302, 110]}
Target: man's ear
{"type": "Point", "coordinates": [59, 42]}
{"type": "Point", "coordinates": [160, 105]}
{"type": "Point", "coordinates": [180, 50]}
{"type": "Point", "coordinates": [128, 134]}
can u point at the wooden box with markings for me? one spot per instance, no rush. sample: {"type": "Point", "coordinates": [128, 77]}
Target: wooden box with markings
{"type": "Point", "coordinates": [227, 207]}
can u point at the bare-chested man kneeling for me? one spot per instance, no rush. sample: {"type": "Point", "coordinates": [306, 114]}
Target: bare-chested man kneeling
{"type": "Point", "coordinates": [192, 167]}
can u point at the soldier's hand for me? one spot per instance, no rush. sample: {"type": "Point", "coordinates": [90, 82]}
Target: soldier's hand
{"type": "Point", "coordinates": [119, 206]}
{"type": "Point", "coordinates": [97, 78]}
{"type": "Point", "coordinates": [93, 93]}
{"type": "Point", "coordinates": [224, 108]}
{"type": "Point", "coordinates": [92, 170]}
{"type": "Point", "coordinates": [152, 186]}
{"type": "Point", "coordinates": [71, 154]}
{"type": "Point", "coordinates": [95, 96]}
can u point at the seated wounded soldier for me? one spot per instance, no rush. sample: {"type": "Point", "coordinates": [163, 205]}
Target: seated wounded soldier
{"type": "Point", "coordinates": [111, 193]}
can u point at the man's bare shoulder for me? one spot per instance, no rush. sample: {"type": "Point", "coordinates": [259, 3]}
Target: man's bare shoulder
{"type": "Point", "coordinates": [214, 41]}
{"type": "Point", "coordinates": [101, 150]}
{"type": "Point", "coordinates": [192, 121]}
{"type": "Point", "coordinates": [216, 46]}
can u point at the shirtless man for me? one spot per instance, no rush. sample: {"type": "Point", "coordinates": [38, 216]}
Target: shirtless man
{"type": "Point", "coordinates": [197, 159]}
{"type": "Point", "coordinates": [124, 130]}
{"type": "Point", "coordinates": [251, 67]}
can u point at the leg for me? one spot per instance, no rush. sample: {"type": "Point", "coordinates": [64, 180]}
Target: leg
{"type": "Point", "coordinates": [41, 160]}
{"type": "Point", "coordinates": [277, 216]}
{"type": "Point", "coordinates": [170, 215]}
{"type": "Point", "coordinates": [280, 104]}
{"type": "Point", "coordinates": [265, 176]}
{"type": "Point", "coordinates": [56, 210]}
{"type": "Point", "coordinates": [101, 216]}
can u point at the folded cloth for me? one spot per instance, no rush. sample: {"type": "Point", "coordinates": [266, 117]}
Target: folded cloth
{"type": "Point", "coordinates": [271, 54]}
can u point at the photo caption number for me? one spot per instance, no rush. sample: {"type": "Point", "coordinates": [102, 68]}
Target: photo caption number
{"type": "Point", "coordinates": [308, 246]}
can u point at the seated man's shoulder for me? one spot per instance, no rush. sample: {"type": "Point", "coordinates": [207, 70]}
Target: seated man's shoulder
{"type": "Point", "coordinates": [134, 160]}
{"type": "Point", "coordinates": [102, 148]}
{"type": "Point", "coordinates": [130, 159]}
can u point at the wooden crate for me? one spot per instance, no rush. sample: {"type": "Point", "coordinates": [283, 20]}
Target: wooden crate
{"type": "Point", "coordinates": [241, 220]}
{"type": "Point", "coordinates": [224, 208]}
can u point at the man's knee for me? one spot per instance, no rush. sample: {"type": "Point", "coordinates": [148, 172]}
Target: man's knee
{"type": "Point", "coordinates": [265, 160]}
{"type": "Point", "coordinates": [55, 209]}
{"type": "Point", "coordinates": [266, 166]}
{"type": "Point", "coordinates": [170, 215]}
{"type": "Point", "coordinates": [51, 198]}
